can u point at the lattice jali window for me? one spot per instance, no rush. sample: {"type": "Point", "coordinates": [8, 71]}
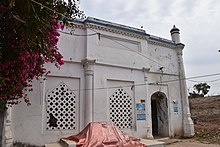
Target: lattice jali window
{"type": "Point", "coordinates": [121, 109]}
{"type": "Point", "coordinates": [61, 108]}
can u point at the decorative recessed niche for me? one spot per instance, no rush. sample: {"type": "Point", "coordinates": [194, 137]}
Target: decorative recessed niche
{"type": "Point", "coordinates": [61, 108]}
{"type": "Point", "coordinates": [121, 109]}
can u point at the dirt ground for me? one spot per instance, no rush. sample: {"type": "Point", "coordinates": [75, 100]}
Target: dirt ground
{"type": "Point", "coordinates": [191, 143]}
{"type": "Point", "coordinates": [206, 115]}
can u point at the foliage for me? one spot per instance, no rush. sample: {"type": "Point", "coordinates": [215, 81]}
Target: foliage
{"type": "Point", "coordinates": [201, 88]}
{"type": "Point", "coordinates": [28, 40]}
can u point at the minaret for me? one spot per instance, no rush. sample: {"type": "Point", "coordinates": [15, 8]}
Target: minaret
{"type": "Point", "coordinates": [175, 34]}
{"type": "Point", "coordinates": [188, 126]}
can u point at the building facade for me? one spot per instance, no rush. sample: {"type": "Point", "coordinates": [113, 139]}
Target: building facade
{"type": "Point", "coordinates": [112, 73]}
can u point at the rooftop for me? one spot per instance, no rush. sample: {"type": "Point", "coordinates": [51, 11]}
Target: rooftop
{"type": "Point", "coordinates": [125, 28]}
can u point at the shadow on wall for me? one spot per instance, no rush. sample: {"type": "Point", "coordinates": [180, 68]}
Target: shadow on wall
{"type": "Point", "coordinates": [18, 144]}
{"type": "Point", "coordinates": [1, 126]}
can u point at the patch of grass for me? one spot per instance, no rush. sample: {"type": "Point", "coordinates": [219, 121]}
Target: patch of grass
{"type": "Point", "coordinates": [208, 137]}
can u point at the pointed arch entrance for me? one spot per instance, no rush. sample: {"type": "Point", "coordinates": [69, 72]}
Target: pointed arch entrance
{"type": "Point", "coordinates": [159, 115]}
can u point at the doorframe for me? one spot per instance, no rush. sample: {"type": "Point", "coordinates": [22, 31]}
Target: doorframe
{"type": "Point", "coordinates": [168, 112]}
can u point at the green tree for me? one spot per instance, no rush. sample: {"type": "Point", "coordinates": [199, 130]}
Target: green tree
{"type": "Point", "coordinates": [28, 40]}
{"type": "Point", "coordinates": [202, 88]}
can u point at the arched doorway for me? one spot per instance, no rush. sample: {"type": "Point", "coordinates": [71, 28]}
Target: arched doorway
{"type": "Point", "coordinates": [159, 115]}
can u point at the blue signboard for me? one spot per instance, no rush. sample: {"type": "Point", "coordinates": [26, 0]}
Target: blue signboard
{"type": "Point", "coordinates": [141, 116]}
{"type": "Point", "coordinates": [175, 107]}
{"type": "Point", "coordinates": [140, 110]}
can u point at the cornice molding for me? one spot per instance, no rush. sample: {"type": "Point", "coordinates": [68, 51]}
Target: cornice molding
{"type": "Point", "coordinates": [78, 25]}
{"type": "Point", "coordinates": [82, 25]}
{"type": "Point", "coordinates": [155, 42]}
{"type": "Point", "coordinates": [115, 30]}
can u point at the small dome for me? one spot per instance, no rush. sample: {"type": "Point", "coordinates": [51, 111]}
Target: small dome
{"type": "Point", "coordinates": [174, 30]}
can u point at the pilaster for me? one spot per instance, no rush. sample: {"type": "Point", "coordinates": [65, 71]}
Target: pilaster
{"type": "Point", "coordinates": [88, 65]}
{"type": "Point", "coordinates": [148, 99]}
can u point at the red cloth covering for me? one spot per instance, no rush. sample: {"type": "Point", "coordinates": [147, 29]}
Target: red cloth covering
{"type": "Point", "coordinates": [104, 134]}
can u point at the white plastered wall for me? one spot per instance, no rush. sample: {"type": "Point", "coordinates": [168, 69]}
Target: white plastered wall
{"type": "Point", "coordinates": [119, 62]}
{"type": "Point", "coordinates": [29, 123]}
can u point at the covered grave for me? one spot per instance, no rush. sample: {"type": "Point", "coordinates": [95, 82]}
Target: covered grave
{"type": "Point", "coordinates": [104, 134]}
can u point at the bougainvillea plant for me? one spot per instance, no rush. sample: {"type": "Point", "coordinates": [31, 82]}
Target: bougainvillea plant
{"type": "Point", "coordinates": [28, 40]}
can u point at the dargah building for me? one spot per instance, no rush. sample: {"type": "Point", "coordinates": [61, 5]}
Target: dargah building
{"type": "Point", "coordinates": [111, 73]}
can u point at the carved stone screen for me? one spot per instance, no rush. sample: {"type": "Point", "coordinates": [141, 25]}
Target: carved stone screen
{"type": "Point", "coordinates": [121, 109]}
{"type": "Point", "coordinates": [61, 108]}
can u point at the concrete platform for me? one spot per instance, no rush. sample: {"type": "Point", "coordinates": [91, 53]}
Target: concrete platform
{"type": "Point", "coordinates": [68, 143]}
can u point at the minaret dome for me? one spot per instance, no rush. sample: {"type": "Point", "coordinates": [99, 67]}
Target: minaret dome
{"type": "Point", "coordinates": [175, 34]}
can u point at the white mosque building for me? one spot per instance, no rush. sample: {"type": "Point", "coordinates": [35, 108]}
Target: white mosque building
{"type": "Point", "coordinates": [112, 72]}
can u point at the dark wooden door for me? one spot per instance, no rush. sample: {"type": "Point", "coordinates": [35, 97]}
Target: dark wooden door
{"type": "Point", "coordinates": [154, 117]}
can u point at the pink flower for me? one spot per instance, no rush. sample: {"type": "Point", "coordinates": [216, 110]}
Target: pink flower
{"type": "Point", "coordinates": [62, 26]}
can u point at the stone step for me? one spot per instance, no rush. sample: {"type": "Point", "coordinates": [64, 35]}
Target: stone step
{"type": "Point", "coordinates": [67, 143]}
{"type": "Point", "coordinates": [153, 143]}
{"type": "Point", "coordinates": [53, 145]}
{"type": "Point", "coordinates": [169, 140]}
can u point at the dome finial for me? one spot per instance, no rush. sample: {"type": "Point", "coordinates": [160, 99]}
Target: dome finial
{"type": "Point", "coordinates": [175, 34]}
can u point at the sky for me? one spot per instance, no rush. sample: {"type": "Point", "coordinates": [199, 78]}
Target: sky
{"type": "Point", "coordinates": [198, 21]}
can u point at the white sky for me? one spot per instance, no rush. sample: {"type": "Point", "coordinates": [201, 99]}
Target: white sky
{"type": "Point", "coordinates": [198, 21]}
